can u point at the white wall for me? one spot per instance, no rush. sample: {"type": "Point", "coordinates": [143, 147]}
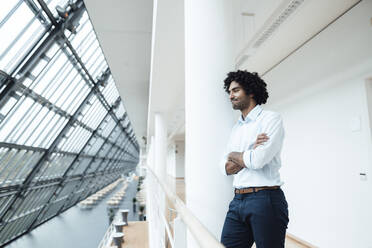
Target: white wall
{"type": "Point", "coordinates": [322, 159]}
{"type": "Point", "coordinates": [368, 86]}
{"type": "Point", "coordinates": [320, 91]}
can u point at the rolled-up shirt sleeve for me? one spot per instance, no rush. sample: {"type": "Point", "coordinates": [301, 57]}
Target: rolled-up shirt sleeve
{"type": "Point", "coordinates": [256, 159]}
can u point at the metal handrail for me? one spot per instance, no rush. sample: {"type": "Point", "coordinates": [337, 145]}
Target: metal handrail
{"type": "Point", "coordinates": [107, 238]}
{"type": "Point", "coordinates": [200, 233]}
{"type": "Point", "coordinates": [167, 228]}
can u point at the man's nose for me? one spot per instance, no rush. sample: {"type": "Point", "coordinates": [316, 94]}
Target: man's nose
{"type": "Point", "coordinates": [231, 96]}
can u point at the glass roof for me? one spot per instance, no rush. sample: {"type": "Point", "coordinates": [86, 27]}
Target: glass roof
{"type": "Point", "coordinates": [61, 117]}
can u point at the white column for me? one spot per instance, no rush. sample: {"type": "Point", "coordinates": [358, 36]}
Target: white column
{"type": "Point", "coordinates": [160, 146]}
{"type": "Point", "coordinates": [155, 196]}
{"type": "Point", "coordinates": [152, 153]}
{"type": "Point", "coordinates": [150, 201]}
{"type": "Point", "coordinates": [160, 171]}
{"type": "Point", "coordinates": [209, 41]}
{"type": "Point", "coordinates": [180, 159]}
{"type": "Point", "coordinates": [171, 160]}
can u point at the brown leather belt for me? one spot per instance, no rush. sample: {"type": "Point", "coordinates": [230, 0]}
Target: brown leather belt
{"type": "Point", "coordinates": [254, 189]}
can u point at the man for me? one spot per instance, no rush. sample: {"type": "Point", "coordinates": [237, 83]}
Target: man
{"type": "Point", "coordinates": [259, 211]}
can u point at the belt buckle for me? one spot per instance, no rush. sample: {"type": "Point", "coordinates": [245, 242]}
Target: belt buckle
{"type": "Point", "coordinates": [238, 191]}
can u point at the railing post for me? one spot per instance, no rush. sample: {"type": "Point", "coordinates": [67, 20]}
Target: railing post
{"type": "Point", "coordinates": [118, 239]}
{"type": "Point", "coordinates": [119, 226]}
{"type": "Point", "coordinates": [124, 215]}
{"type": "Point", "coordinates": [160, 159]}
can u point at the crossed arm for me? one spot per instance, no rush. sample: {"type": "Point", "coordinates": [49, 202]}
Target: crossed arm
{"type": "Point", "coordinates": [235, 162]}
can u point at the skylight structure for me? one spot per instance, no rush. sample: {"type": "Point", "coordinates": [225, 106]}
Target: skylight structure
{"type": "Point", "coordinates": [64, 132]}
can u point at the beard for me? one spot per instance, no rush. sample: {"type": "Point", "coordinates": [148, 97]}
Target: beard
{"type": "Point", "coordinates": [240, 105]}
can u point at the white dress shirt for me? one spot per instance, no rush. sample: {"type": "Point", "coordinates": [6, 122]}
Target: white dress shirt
{"type": "Point", "coordinates": [263, 163]}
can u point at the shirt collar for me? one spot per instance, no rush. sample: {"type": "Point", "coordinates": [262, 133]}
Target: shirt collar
{"type": "Point", "coordinates": [252, 115]}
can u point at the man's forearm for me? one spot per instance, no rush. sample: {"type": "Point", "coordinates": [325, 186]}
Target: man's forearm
{"type": "Point", "coordinates": [232, 168]}
{"type": "Point", "coordinates": [237, 158]}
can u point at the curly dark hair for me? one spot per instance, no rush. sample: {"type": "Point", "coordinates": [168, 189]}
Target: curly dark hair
{"type": "Point", "coordinates": [250, 82]}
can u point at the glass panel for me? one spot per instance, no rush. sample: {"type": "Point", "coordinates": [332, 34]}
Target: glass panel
{"type": "Point", "coordinates": [62, 84]}
{"type": "Point", "coordinates": [108, 127]}
{"type": "Point", "coordinates": [16, 164]}
{"type": "Point", "coordinates": [80, 166]}
{"type": "Point", "coordinates": [110, 91]}
{"type": "Point", "coordinates": [18, 34]}
{"type": "Point", "coordinates": [74, 140]}
{"type": "Point", "coordinates": [95, 164]}
{"type": "Point", "coordinates": [94, 114]}
{"type": "Point", "coordinates": [39, 67]}
{"type": "Point", "coordinates": [82, 31]}
{"type": "Point", "coordinates": [77, 98]}
{"type": "Point", "coordinates": [93, 149]}
{"type": "Point", "coordinates": [8, 106]}
{"type": "Point", "coordinates": [28, 166]}
{"type": "Point", "coordinates": [14, 26]}
{"type": "Point", "coordinates": [86, 45]}
{"type": "Point", "coordinates": [4, 201]}
{"type": "Point", "coordinates": [54, 167]}
{"type": "Point", "coordinates": [25, 125]}
{"type": "Point", "coordinates": [120, 110]}
{"type": "Point", "coordinates": [115, 134]}
{"type": "Point", "coordinates": [99, 68]}
{"type": "Point", "coordinates": [56, 67]}
{"type": "Point", "coordinates": [7, 7]}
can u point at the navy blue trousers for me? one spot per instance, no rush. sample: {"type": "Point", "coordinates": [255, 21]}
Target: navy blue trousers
{"type": "Point", "coordinates": [260, 217]}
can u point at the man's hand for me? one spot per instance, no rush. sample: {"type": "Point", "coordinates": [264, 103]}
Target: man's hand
{"type": "Point", "coordinates": [237, 158]}
{"type": "Point", "coordinates": [232, 168]}
{"type": "Point", "coordinates": [261, 138]}
{"type": "Point", "coordinates": [234, 163]}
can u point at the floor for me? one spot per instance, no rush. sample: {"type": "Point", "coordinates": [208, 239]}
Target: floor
{"type": "Point", "coordinates": [136, 235]}
{"type": "Point", "coordinates": [290, 243]}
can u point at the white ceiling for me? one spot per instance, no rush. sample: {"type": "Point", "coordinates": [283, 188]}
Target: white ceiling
{"type": "Point", "coordinates": [291, 36]}
{"type": "Point", "coordinates": [124, 29]}
{"type": "Point", "coordinates": [332, 57]}
{"type": "Point", "coordinates": [288, 28]}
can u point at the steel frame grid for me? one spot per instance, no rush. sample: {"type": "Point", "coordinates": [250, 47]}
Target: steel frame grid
{"type": "Point", "coordinates": [88, 167]}
{"type": "Point", "coordinates": [44, 102]}
{"type": "Point", "coordinates": [70, 167]}
{"type": "Point", "coordinates": [23, 68]}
